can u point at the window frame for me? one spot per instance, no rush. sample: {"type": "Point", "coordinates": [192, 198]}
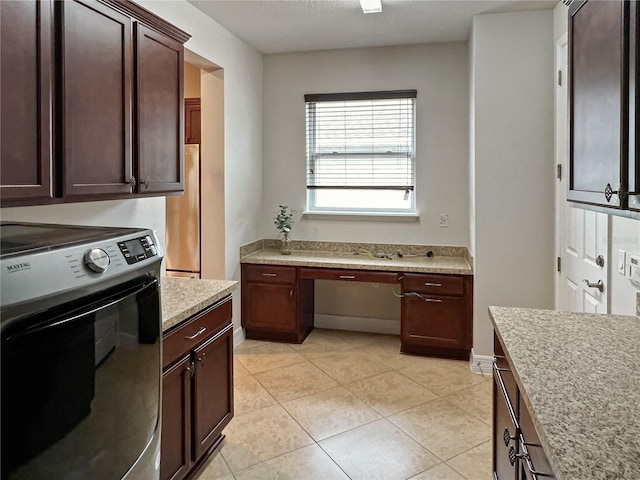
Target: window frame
{"type": "Point", "coordinates": [311, 201]}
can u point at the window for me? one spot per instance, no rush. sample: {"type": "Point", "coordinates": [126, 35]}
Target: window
{"type": "Point", "coordinates": [361, 152]}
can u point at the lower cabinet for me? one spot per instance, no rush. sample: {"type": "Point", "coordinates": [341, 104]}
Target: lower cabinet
{"type": "Point", "coordinates": [276, 305]}
{"type": "Point", "coordinates": [176, 420]}
{"type": "Point", "coordinates": [436, 314]}
{"type": "Point", "coordinates": [517, 451]}
{"type": "Point", "coordinates": [197, 389]}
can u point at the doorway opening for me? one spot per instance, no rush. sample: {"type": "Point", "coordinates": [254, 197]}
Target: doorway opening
{"type": "Point", "coordinates": [195, 223]}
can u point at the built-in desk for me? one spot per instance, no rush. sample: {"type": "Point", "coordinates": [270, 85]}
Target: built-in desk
{"type": "Point", "coordinates": [437, 290]}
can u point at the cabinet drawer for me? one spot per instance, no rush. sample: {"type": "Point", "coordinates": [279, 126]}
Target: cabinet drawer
{"type": "Point", "coordinates": [506, 375]}
{"type": "Point", "coordinates": [505, 437]}
{"type": "Point", "coordinates": [433, 284]}
{"type": "Point", "coordinates": [535, 459]}
{"type": "Point", "coordinates": [349, 275]}
{"type": "Point", "coordinates": [269, 274]}
{"type": "Point", "coordinates": [195, 331]}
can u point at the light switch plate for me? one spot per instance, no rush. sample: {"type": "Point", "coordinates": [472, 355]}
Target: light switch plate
{"type": "Point", "coordinates": [622, 263]}
{"type": "Point", "coordinates": [634, 268]}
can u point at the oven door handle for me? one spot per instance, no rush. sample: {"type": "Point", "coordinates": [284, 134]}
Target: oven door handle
{"type": "Point", "coordinates": [120, 296]}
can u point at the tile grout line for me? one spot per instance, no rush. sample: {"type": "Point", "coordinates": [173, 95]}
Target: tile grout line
{"type": "Point", "coordinates": [345, 386]}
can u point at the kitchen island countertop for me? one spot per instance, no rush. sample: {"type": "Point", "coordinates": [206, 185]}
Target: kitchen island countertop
{"type": "Point", "coordinates": [184, 297]}
{"type": "Point", "coordinates": [579, 376]}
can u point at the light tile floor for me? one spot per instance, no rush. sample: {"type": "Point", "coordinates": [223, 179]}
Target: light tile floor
{"type": "Point", "coordinates": [347, 405]}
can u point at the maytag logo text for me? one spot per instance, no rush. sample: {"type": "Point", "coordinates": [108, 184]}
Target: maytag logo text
{"type": "Point", "coordinates": [16, 267]}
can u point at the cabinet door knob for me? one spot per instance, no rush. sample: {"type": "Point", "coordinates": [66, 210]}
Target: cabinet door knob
{"type": "Point", "coordinates": [145, 182]}
{"type": "Point", "coordinates": [132, 182]}
{"type": "Point", "coordinates": [291, 293]}
{"type": "Point", "coordinates": [506, 437]}
{"type": "Point", "coordinates": [512, 455]}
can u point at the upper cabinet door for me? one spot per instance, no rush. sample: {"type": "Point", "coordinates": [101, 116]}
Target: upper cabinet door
{"type": "Point", "coordinates": [192, 120]}
{"type": "Point", "coordinates": [634, 108]}
{"type": "Point", "coordinates": [160, 108]}
{"type": "Point", "coordinates": [599, 113]}
{"type": "Point", "coordinates": [26, 30]}
{"type": "Point", "coordinates": [96, 48]}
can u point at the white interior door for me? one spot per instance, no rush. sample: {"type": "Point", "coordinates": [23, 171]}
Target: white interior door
{"type": "Point", "coordinates": [582, 236]}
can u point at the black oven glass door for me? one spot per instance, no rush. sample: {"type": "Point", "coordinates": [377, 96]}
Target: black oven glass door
{"type": "Point", "coordinates": [81, 386]}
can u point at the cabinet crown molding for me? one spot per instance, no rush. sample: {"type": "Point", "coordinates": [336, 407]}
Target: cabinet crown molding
{"type": "Point", "coordinates": [148, 18]}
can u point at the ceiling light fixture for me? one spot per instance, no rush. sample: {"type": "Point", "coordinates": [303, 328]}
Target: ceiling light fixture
{"type": "Point", "coordinates": [371, 6]}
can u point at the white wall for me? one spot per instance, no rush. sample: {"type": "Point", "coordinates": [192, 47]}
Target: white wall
{"type": "Point", "coordinates": [512, 127]}
{"type": "Point", "coordinates": [113, 213]}
{"type": "Point", "coordinates": [243, 144]}
{"type": "Point", "coordinates": [437, 71]}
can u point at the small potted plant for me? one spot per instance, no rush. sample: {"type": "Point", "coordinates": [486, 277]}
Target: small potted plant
{"type": "Point", "coordinates": [283, 221]}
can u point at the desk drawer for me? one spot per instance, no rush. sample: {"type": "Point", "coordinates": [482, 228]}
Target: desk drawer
{"type": "Point", "coordinates": [433, 284]}
{"type": "Point", "coordinates": [193, 332]}
{"type": "Point", "coordinates": [268, 274]}
{"type": "Point", "coordinates": [349, 275]}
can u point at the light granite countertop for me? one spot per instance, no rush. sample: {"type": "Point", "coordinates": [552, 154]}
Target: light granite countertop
{"type": "Point", "coordinates": [184, 297]}
{"type": "Point", "coordinates": [361, 261]}
{"type": "Point", "coordinates": [579, 375]}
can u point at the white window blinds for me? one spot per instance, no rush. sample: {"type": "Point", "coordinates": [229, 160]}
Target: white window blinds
{"type": "Point", "coordinates": [361, 140]}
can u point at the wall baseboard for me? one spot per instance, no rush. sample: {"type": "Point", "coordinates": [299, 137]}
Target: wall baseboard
{"type": "Point", "coordinates": [238, 336]}
{"type": "Point", "coordinates": [357, 324]}
{"type": "Point", "coordinates": [481, 364]}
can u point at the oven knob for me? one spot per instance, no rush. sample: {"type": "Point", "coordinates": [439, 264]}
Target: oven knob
{"type": "Point", "coordinates": [97, 260]}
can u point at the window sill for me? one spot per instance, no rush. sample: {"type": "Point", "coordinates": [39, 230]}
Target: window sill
{"type": "Point", "coordinates": [362, 216]}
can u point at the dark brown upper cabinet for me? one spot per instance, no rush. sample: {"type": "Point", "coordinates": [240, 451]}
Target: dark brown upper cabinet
{"type": "Point", "coordinates": [26, 44]}
{"type": "Point", "coordinates": [192, 120]}
{"type": "Point", "coordinates": [599, 103]}
{"type": "Point", "coordinates": [634, 109]}
{"type": "Point", "coordinates": [160, 108]}
{"type": "Point", "coordinates": [92, 102]}
{"type": "Point", "coordinates": [96, 86]}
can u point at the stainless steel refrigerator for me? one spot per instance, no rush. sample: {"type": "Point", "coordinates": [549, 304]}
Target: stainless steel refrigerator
{"type": "Point", "coordinates": [183, 221]}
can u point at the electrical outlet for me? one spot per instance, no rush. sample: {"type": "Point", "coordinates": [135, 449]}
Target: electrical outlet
{"type": "Point", "coordinates": [444, 220]}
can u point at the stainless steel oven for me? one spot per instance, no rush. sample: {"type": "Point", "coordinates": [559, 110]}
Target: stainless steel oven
{"type": "Point", "coordinates": [81, 347]}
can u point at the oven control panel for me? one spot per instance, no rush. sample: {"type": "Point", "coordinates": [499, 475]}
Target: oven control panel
{"type": "Point", "coordinates": [138, 249]}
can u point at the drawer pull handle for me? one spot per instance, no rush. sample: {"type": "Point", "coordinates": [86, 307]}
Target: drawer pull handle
{"type": "Point", "coordinates": [291, 293]}
{"type": "Point", "coordinates": [347, 277]}
{"type": "Point", "coordinates": [527, 459]}
{"type": "Point", "coordinates": [429, 284]}
{"type": "Point", "coordinates": [426, 299]}
{"type": "Point", "coordinates": [200, 331]}
{"type": "Point", "coordinates": [269, 274]}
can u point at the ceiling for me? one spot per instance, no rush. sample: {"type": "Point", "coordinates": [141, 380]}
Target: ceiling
{"type": "Point", "coordinates": [279, 26]}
